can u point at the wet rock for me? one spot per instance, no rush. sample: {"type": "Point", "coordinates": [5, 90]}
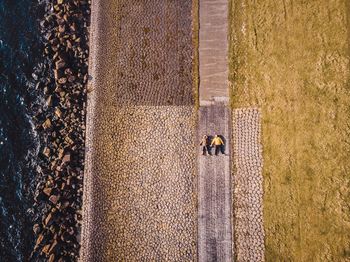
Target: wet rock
{"type": "Point", "coordinates": [46, 152]}
{"type": "Point", "coordinates": [47, 191]}
{"type": "Point", "coordinates": [52, 258]}
{"type": "Point", "coordinates": [69, 44]}
{"type": "Point", "coordinates": [38, 85]}
{"type": "Point", "coordinates": [73, 27]}
{"type": "Point", "coordinates": [60, 153]}
{"type": "Point", "coordinates": [71, 79]}
{"type": "Point", "coordinates": [66, 158]}
{"type": "Point", "coordinates": [38, 242]}
{"type": "Point", "coordinates": [36, 229]}
{"type": "Point", "coordinates": [57, 73]}
{"type": "Point", "coordinates": [58, 112]}
{"type": "Point", "coordinates": [66, 237]}
{"type": "Point", "coordinates": [54, 42]}
{"type": "Point", "coordinates": [47, 124]}
{"type": "Point", "coordinates": [35, 76]}
{"type": "Point", "coordinates": [54, 199]}
{"type": "Point", "coordinates": [49, 219]}
{"type": "Point", "coordinates": [46, 249]}
{"type": "Point", "coordinates": [62, 28]}
{"type": "Point", "coordinates": [65, 204]}
{"type": "Point", "coordinates": [68, 71]}
{"type": "Point", "coordinates": [62, 80]}
{"type": "Point", "coordinates": [49, 101]}
{"type": "Point", "coordinates": [53, 246]}
{"type": "Point", "coordinates": [44, 23]}
{"type": "Point", "coordinates": [60, 64]}
{"type": "Point", "coordinates": [68, 140]}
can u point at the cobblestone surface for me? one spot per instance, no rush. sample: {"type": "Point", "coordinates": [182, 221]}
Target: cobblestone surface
{"type": "Point", "coordinates": [154, 55]}
{"type": "Point", "coordinates": [140, 185]}
{"type": "Point", "coordinates": [248, 185]}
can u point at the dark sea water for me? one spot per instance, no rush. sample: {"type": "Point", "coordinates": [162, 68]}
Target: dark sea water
{"type": "Point", "coordinates": [20, 53]}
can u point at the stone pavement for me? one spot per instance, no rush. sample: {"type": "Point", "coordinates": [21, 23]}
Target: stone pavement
{"type": "Point", "coordinates": [140, 188]}
{"type": "Point", "coordinates": [140, 193]}
{"type": "Point", "coordinates": [213, 49]}
{"type": "Point", "coordinates": [248, 185]}
{"type": "Point", "coordinates": [215, 208]}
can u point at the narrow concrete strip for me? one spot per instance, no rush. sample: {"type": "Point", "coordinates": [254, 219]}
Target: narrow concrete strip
{"type": "Point", "coordinates": [215, 202]}
{"type": "Point", "coordinates": [248, 185]}
{"type": "Point", "coordinates": [213, 49]}
{"type": "Point", "coordinates": [214, 222]}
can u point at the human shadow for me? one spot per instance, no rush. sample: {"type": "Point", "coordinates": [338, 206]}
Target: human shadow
{"type": "Point", "coordinates": [209, 148]}
{"type": "Point", "coordinates": [223, 147]}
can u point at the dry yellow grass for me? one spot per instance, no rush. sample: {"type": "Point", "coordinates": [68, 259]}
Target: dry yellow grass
{"type": "Point", "coordinates": [291, 58]}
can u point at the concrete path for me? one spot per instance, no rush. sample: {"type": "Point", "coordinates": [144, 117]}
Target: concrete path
{"type": "Point", "coordinates": [213, 49]}
{"type": "Point", "coordinates": [214, 185]}
{"type": "Point", "coordinates": [215, 234]}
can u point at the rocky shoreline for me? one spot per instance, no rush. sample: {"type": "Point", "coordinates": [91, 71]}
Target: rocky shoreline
{"type": "Point", "coordinates": [61, 124]}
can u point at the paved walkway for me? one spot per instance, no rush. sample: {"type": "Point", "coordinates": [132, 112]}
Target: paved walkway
{"type": "Point", "coordinates": [215, 208]}
{"type": "Point", "coordinates": [215, 199]}
{"type": "Point", "coordinates": [213, 49]}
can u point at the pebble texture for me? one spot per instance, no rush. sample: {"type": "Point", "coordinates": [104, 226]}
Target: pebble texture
{"type": "Point", "coordinates": [215, 205]}
{"type": "Point", "coordinates": [248, 185]}
{"type": "Point", "coordinates": [145, 51]}
{"type": "Point", "coordinates": [140, 185]}
{"type": "Point", "coordinates": [213, 49]}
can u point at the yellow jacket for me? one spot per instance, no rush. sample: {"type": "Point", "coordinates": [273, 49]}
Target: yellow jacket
{"type": "Point", "coordinates": [217, 141]}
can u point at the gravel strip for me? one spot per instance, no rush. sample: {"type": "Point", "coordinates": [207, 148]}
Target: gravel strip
{"type": "Point", "coordinates": [248, 185]}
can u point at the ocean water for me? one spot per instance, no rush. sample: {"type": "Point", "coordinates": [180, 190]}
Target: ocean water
{"type": "Point", "coordinates": [20, 56]}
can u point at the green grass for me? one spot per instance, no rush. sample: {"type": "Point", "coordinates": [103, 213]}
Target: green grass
{"type": "Point", "coordinates": [292, 61]}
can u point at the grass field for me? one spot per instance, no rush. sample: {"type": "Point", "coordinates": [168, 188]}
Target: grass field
{"type": "Point", "coordinates": [291, 58]}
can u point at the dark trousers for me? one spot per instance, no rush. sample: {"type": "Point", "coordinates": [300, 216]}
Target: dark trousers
{"type": "Point", "coordinates": [219, 148]}
{"type": "Point", "coordinates": [206, 149]}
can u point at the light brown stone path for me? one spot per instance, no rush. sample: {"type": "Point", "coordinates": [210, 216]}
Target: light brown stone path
{"type": "Point", "coordinates": [213, 49]}
{"type": "Point", "coordinates": [215, 208]}
{"type": "Point", "coordinates": [248, 185]}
